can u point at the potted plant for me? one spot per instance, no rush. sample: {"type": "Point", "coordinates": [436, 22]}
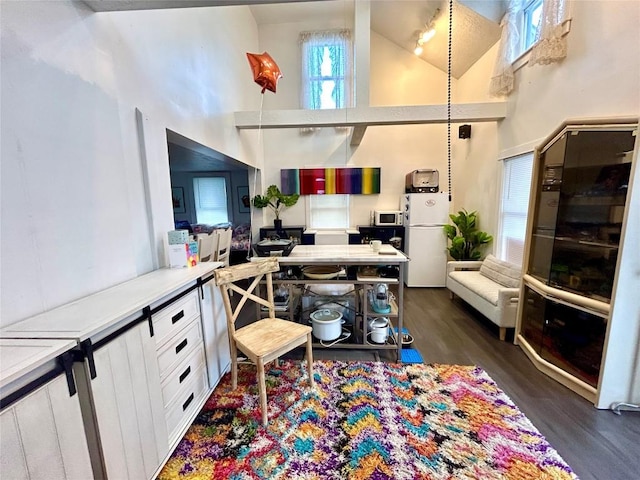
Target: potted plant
{"type": "Point", "coordinates": [466, 240]}
{"type": "Point", "coordinates": [276, 201]}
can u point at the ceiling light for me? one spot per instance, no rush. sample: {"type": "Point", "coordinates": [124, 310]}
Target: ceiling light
{"type": "Point", "coordinates": [428, 35]}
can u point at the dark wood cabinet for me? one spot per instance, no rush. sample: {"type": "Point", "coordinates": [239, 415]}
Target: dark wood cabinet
{"type": "Point", "coordinates": [567, 337]}
{"type": "Point", "coordinates": [580, 197]}
{"type": "Point", "coordinates": [389, 234]}
{"type": "Point", "coordinates": [580, 202]}
{"type": "Point", "coordinates": [294, 233]}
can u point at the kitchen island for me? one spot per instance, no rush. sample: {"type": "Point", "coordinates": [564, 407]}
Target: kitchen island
{"type": "Point", "coordinates": [356, 265]}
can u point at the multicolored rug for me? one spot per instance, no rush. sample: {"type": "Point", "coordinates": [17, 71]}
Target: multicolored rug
{"type": "Point", "coordinates": [365, 420]}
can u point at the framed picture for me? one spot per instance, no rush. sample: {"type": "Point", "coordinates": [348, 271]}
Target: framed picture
{"type": "Point", "coordinates": [244, 201]}
{"type": "Point", "coordinates": [177, 198]}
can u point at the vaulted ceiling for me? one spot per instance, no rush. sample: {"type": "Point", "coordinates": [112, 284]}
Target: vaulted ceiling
{"type": "Point", "coordinates": [475, 22]}
{"type": "Point", "coordinates": [475, 30]}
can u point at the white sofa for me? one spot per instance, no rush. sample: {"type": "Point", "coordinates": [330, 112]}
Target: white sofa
{"type": "Point", "coordinates": [490, 286]}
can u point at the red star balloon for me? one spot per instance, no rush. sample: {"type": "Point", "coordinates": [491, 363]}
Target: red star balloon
{"type": "Point", "coordinates": [266, 72]}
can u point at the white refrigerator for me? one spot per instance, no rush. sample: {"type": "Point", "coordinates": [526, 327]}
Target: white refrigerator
{"type": "Point", "coordinates": [425, 241]}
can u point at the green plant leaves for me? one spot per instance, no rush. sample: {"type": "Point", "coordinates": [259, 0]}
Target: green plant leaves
{"type": "Point", "coordinates": [466, 239]}
{"type": "Point", "coordinates": [275, 199]}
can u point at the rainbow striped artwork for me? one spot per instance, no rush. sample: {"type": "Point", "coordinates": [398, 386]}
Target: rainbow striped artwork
{"type": "Point", "coordinates": [328, 181]}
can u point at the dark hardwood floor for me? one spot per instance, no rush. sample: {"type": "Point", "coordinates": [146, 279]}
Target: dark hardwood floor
{"type": "Point", "coordinates": [597, 444]}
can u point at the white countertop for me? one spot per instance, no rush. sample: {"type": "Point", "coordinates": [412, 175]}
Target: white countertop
{"type": "Point", "coordinates": [90, 315]}
{"type": "Point", "coordinates": [362, 254]}
{"type": "Point", "coordinates": [20, 356]}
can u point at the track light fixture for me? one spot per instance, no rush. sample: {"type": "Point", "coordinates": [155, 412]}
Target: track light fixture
{"type": "Point", "coordinates": [426, 34]}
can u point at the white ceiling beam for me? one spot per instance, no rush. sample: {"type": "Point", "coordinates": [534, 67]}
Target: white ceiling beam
{"type": "Point", "coordinates": [372, 116]}
{"type": "Point", "coordinates": [362, 62]}
{"type": "Point", "coordinates": [356, 135]}
{"type": "Point", "coordinates": [126, 5]}
{"type": "Point", "coordinates": [362, 49]}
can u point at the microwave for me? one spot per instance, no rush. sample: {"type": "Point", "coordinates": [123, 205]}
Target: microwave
{"type": "Point", "coordinates": [382, 218]}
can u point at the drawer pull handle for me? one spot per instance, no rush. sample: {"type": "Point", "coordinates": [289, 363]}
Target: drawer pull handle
{"type": "Point", "coordinates": [186, 404]}
{"type": "Point", "coordinates": [177, 316]}
{"type": "Point", "coordinates": [182, 344]}
{"type": "Point", "coordinates": [185, 374]}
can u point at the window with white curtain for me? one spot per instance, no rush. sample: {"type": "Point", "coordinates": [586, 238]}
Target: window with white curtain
{"type": "Point", "coordinates": [539, 27]}
{"type": "Point", "coordinates": [326, 69]}
{"type": "Point", "coordinates": [328, 211]}
{"type": "Point", "coordinates": [531, 23]}
{"type": "Point", "coordinates": [210, 196]}
{"type": "Point", "coordinates": [514, 205]}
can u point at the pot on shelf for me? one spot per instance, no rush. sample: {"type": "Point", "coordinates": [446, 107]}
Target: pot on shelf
{"type": "Point", "coordinates": [326, 324]}
{"type": "Point", "coordinates": [395, 242]}
{"type": "Point", "coordinates": [379, 328]}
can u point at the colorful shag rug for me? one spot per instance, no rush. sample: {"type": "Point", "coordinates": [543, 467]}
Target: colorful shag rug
{"type": "Point", "coordinates": [364, 420]}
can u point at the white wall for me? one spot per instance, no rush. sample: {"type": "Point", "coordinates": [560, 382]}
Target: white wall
{"type": "Point", "coordinates": [599, 78]}
{"type": "Point", "coordinates": [74, 218]}
{"type": "Point", "coordinates": [397, 78]}
{"type": "Point", "coordinates": [476, 171]}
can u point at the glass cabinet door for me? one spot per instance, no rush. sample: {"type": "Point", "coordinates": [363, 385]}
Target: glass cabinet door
{"type": "Point", "coordinates": [573, 339]}
{"type": "Point", "coordinates": [533, 318]}
{"type": "Point", "coordinates": [546, 210]}
{"type": "Point", "coordinates": [566, 336]}
{"type": "Point", "coordinates": [581, 195]}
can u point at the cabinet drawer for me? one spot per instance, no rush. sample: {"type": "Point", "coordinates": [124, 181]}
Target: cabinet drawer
{"type": "Point", "coordinates": [179, 348]}
{"type": "Point", "coordinates": [175, 317]}
{"type": "Point", "coordinates": [182, 375]}
{"type": "Point", "coordinates": [186, 403]}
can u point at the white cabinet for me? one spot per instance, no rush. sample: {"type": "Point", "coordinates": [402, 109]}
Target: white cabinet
{"type": "Point", "coordinates": [41, 430]}
{"type": "Point", "coordinates": [181, 362]}
{"type": "Point", "coordinates": [146, 389]}
{"type": "Point", "coordinates": [216, 338]}
{"type": "Point", "coordinates": [43, 437]}
{"type": "Point", "coordinates": [126, 403]}
{"type": "Point", "coordinates": [142, 372]}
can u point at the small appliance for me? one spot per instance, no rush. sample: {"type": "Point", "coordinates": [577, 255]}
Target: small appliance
{"type": "Point", "coordinates": [379, 298]}
{"type": "Point", "coordinates": [383, 218]}
{"type": "Point", "coordinates": [326, 324]}
{"type": "Point", "coordinates": [422, 181]}
{"type": "Point", "coordinates": [378, 329]}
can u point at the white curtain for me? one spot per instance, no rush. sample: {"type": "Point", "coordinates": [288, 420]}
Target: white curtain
{"type": "Point", "coordinates": [503, 80]}
{"type": "Point", "coordinates": [552, 45]}
{"type": "Point", "coordinates": [314, 49]}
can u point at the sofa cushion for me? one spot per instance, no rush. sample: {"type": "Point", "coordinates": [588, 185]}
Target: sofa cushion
{"type": "Point", "coordinates": [478, 284]}
{"type": "Point", "coordinates": [505, 273]}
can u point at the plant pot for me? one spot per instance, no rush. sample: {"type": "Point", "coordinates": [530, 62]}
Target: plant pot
{"type": "Point", "coordinates": [277, 224]}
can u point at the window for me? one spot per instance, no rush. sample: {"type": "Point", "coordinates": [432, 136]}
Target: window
{"type": "Point", "coordinates": [531, 24]}
{"type": "Point", "coordinates": [326, 69]}
{"type": "Point", "coordinates": [328, 211]}
{"type": "Point", "coordinates": [514, 205]}
{"type": "Point", "coordinates": [210, 196]}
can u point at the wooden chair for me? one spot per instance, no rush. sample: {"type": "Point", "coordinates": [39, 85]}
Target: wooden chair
{"type": "Point", "coordinates": [223, 249]}
{"type": "Point", "coordinates": [207, 246]}
{"type": "Point", "coordinates": [264, 340]}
